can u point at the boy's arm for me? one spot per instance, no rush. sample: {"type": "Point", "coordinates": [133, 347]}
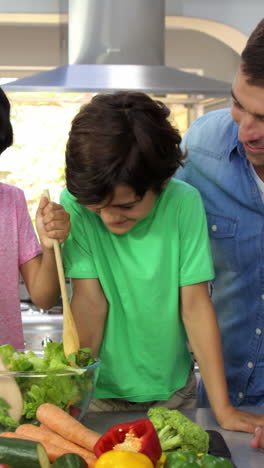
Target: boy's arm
{"type": "Point", "coordinates": [203, 333]}
{"type": "Point", "coordinates": [89, 307]}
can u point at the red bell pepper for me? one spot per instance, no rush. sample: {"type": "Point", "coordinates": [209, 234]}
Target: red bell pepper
{"type": "Point", "coordinates": [137, 436]}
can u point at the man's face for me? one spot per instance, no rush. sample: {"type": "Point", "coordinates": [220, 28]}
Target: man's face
{"type": "Point", "coordinates": [125, 210]}
{"type": "Point", "coordinates": [248, 112]}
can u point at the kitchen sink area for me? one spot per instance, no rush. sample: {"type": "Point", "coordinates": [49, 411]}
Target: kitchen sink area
{"type": "Point", "coordinates": [40, 326]}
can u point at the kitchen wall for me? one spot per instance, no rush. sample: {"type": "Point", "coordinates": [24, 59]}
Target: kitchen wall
{"type": "Point", "coordinates": [45, 46]}
{"type": "Point", "coordinates": [239, 14]}
{"type": "Point", "coordinates": [213, 57]}
{"type": "Point", "coordinates": [26, 47]}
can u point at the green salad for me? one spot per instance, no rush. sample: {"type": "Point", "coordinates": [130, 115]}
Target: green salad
{"type": "Point", "coordinates": [54, 379]}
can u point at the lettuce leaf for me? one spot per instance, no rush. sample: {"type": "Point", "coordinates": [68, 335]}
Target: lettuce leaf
{"type": "Point", "coordinates": [5, 420]}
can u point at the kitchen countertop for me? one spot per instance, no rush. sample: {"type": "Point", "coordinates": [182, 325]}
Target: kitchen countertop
{"type": "Point", "coordinates": [238, 442]}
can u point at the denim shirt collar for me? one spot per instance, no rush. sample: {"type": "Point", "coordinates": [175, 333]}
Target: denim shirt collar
{"type": "Point", "coordinates": [237, 149]}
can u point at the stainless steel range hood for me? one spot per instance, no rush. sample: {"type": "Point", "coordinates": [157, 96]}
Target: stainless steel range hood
{"type": "Point", "coordinates": [114, 45]}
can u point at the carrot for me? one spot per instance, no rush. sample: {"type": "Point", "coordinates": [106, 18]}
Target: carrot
{"type": "Point", "coordinates": [12, 435]}
{"type": "Point", "coordinates": [65, 425]}
{"type": "Point", "coordinates": [61, 442]}
{"type": "Point", "coordinates": [53, 451]}
{"type": "Point", "coordinates": [46, 436]}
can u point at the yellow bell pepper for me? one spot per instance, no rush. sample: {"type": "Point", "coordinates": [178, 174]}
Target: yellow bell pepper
{"type": "Point", "coordinates": [160, 463]}
{"type": "Point", "coordinates": [123, 459]}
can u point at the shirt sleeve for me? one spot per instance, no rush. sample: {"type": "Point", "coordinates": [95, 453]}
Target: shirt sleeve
{"type": "Point", "coordinates": [196, 263]}
{"type": "Point", "coordinates": [28, 244]}
{"type": "Point", "coordinates": [182, 171]}
{"type": "Point", "coordinates": [76, 250]}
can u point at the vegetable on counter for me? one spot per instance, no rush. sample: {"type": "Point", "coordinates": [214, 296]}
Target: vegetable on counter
{"type": "Point", "coordinates": [53, 451]}
{"type": "Point", "coordinates": [68, 437]}
{"type": "Point", "coordinates": [66, 426]}
{"type": "Point", "coordinates": [23, 453]}
{"type": "Point", "coordinates": [69, 460]}
{"type": "Point", "coordinates": [138, 436]}
{"type": "Point", "coordinates": [190, 459]}
{"type": "Point", "coordinates": [177, 431]}
{"type": "Point", "coordinates": [161, 461]}
{"type": "Point", "coordinates": [46, 436]}
{"type": "Point", "coordinates": [123, 459]}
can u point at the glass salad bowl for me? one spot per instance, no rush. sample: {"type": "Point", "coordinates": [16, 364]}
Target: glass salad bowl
{"type": "Point", "coordinates": [46, 377]}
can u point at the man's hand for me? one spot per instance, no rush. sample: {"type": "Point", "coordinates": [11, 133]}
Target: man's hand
{"type": "Point", "coordinates": [52, 222]}
{"type": "Point", "coordinates": [238, 420]}
{"type": "Point", "coordinates": [258, 439]}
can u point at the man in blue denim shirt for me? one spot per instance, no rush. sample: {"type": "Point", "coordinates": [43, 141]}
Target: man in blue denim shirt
{"type": "Point", "coordinates": [225, 161]}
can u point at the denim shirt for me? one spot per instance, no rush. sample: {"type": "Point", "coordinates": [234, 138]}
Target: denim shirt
{"type": "Point", "coordinates": [217, 166]}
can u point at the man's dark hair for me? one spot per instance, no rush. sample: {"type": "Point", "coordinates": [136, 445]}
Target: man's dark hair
{"type": "Point", "coordinates": [120, 138]}
{"type": "Point", "coordinates": [6, 132]}
{"type": "Point", "coordinates": [252, 57]}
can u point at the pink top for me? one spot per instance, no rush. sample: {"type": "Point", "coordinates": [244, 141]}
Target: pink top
{"type": "Point", "coordinates": [18, 245]}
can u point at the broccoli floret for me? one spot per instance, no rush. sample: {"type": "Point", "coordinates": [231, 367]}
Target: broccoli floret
{"type": "Point", "coordinates": [193, 437]}
{"type": "Point", "coordinates": [169, 438]}
{"type": "Point", "coordinates": [157, 417]}
{"type": "Point", "coordinates": [177, 431]}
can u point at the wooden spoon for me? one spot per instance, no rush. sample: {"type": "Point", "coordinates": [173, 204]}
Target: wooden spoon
{"type": "Point", "coordinates": [71, 343]}
{"type": "Point", "coordinates": [10, 393]}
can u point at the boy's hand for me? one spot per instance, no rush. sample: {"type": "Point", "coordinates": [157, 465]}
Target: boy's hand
{"type": "Point", "coordinates": [52, 222]}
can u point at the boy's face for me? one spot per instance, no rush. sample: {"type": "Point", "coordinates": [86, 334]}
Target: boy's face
{"type": "Point", "coordinates": [125, 210]}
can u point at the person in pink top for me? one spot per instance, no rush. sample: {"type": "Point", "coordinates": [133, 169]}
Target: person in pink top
{"type": "Point", "coordinates": [20, 250]}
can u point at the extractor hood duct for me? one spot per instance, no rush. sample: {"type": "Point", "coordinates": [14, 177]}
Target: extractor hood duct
{"type": "Point", "coordinates": [114, 45]}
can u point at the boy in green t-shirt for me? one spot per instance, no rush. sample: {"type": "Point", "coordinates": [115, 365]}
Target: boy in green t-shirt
{"type": "Point", "coordinates": [139, 259]}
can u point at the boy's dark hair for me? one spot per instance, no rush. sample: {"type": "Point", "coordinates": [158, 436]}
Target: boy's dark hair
{"type": "Point", "coordinates": [252, 57]}
{"type": "Point", "coordinates": [120, 138]}
{"type": "Point", "coordinates": [6, 131]}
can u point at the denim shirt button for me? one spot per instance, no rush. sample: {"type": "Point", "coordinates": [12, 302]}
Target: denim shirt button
{"type": "Point", "coordinates": [250, 365]}
{"type": "Point", "coordinates": [258, 331]}
{"type": "Point", "coordinates": [214, 228]}
{"type": "Point", "coordinates": [262, 297]}
{"type": "Point", "coordinates": [241, 395]}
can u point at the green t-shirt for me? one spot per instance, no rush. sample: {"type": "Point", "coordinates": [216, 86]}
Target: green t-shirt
{"type": "Point", "coordinates": [144, 353]}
